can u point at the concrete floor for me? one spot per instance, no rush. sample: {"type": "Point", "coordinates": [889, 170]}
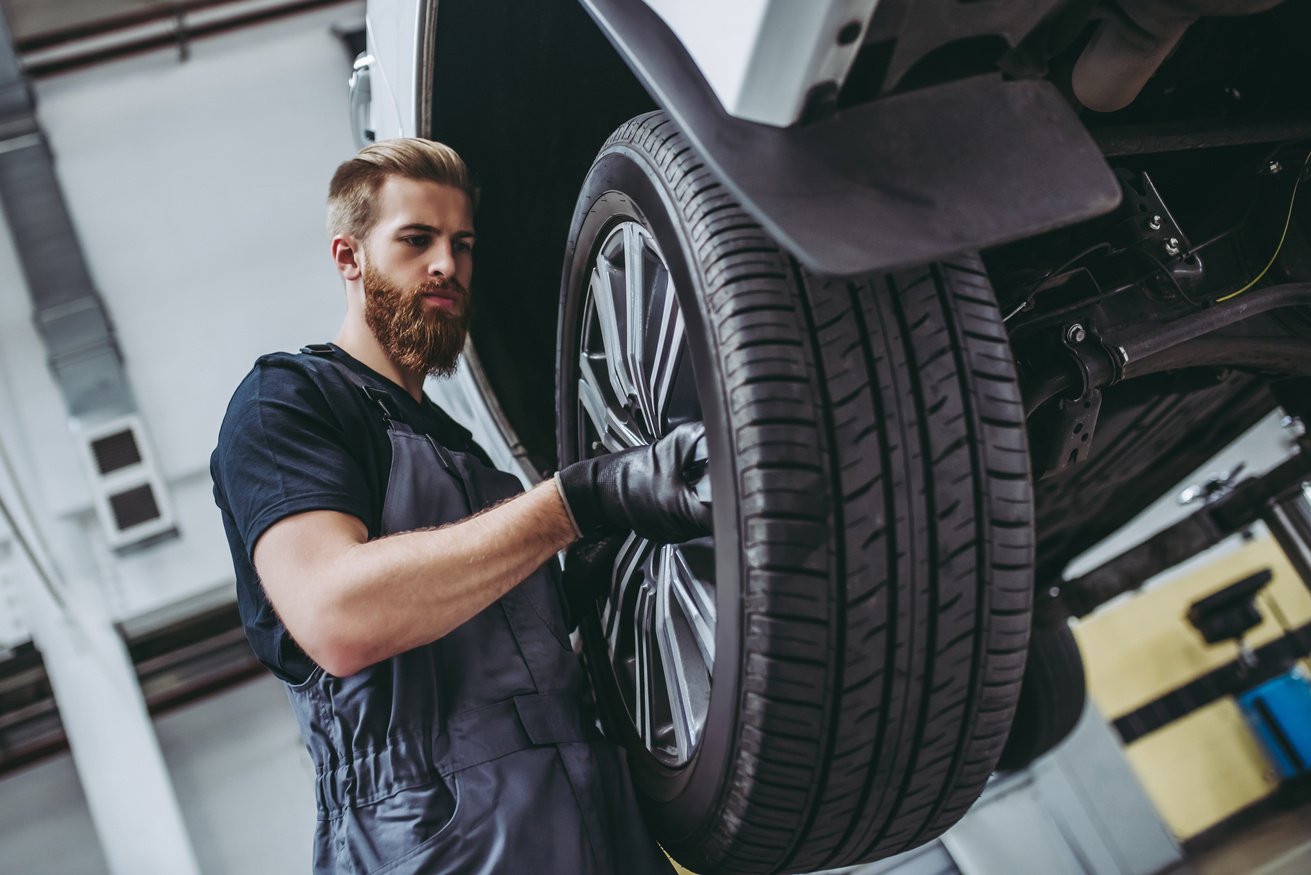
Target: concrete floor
{"type": "Point", "coordinates": [1279, 844]}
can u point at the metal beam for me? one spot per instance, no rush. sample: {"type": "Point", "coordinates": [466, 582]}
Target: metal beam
{"type": "Point", "coordinates": [117, 755]}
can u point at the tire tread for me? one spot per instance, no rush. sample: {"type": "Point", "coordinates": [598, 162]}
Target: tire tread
{"type": "Point", "coordinates": [897, 393]}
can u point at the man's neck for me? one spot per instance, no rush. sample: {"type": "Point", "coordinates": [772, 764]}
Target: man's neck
{"type": "Point", "coordinates": [361, 345]}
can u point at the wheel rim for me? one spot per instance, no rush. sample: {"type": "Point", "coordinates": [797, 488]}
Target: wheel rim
{"type": "Point", "coordinates": [635, 384]}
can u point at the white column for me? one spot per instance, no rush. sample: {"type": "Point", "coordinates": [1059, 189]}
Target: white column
{"type": "Point", "coordinates": [109, 731]}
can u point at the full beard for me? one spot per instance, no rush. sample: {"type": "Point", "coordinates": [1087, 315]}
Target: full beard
{"type": "Point", "coordinates": [417, 337]}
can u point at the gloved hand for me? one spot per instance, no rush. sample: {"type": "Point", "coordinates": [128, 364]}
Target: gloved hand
{"type": "Point", "coordinates": [645, 490]}
{"type": "Point", "coordinates": [588, 568]}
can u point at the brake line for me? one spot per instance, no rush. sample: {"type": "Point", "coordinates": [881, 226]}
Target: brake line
{"type": "Point", "coordinates": [1279, 247]}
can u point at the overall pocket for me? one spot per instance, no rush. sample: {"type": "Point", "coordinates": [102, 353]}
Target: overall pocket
{"type": "Point", "coordinates": [392, 833]}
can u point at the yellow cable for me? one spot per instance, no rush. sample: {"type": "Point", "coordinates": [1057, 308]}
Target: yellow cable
{"type": "Point", "coordinates": [1288, 220]}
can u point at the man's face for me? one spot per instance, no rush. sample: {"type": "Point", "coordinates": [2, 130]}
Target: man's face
{"type": "Point", "coordinates": [418, 262]}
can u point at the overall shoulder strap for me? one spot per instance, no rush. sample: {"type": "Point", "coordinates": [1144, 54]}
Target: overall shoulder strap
{"type": "Point", "coordinates": [377, 398]}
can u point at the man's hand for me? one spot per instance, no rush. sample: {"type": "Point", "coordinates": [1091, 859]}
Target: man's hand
{"type": "Point", "coordinates": [645, 490]}
{"type": "Point", "coordinates": [588, 570]}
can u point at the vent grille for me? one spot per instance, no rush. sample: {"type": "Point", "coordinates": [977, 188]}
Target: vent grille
{"type": "Point", "coordinates": [131, 500]}
{"type": "Point", "coordinates": [115, 451]}
{"type": "Point", "coordinates": [134, 507]}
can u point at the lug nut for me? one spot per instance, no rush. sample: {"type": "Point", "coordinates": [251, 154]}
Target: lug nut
{"type": "Point", "coordinates": [1075, 333]}
{"type": "Point", "coordinates": [1172, 246]}
{"type": "Point", "coordinates": [1155, 223]}
{"type": "Point", "coordinates": [1273, 167]}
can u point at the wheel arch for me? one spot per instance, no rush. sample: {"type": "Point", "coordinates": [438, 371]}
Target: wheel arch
{"type": "Point", "coordinates": [526, 93]}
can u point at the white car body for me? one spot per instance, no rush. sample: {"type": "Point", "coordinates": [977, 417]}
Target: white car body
{"type": "Point", "coordinates": [762, 58]}
{"type": "Point", "coordinates": [392, 28]}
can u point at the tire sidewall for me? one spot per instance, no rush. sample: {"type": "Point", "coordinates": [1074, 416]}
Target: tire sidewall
{"type": "Point", "coordinates": [624, 185]}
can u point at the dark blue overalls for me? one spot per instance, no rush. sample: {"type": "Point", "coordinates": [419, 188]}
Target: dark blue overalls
{"type": "Point", "coordinates": [470, 754]}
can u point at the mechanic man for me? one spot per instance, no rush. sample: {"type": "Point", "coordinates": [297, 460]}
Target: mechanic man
{"type": "Point", "coordinates": [403, 589]}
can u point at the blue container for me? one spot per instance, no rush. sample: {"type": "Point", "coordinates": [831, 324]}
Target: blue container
{"type": "Point", "coordinates": [1279, 712]}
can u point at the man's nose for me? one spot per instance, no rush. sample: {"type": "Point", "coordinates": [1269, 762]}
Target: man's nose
{"type": "Point", "coordinates": [442, 260]}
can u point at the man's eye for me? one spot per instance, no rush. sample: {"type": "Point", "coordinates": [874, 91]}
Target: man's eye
{"type": "Point", "coordinates": [463, 246]}
{"type": "Point", "coordinates": [418, 241]}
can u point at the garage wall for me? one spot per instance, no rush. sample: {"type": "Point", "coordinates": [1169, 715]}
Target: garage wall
{"type": "Point", "coordinates": [197, 189]}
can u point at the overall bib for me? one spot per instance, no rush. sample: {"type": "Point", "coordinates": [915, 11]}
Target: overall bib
{"type": "Point", "coordinates": [470, 754]}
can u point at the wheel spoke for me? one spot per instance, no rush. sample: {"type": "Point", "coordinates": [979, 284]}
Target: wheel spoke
{"type": "Point", "coordinates": [635, 306]}
{"type": "Point", "coordinates": [667, 323]}
{"type": "Point", "coordinates": [678, 684]}
{"type": "Point", "coordinates": [613, 333]}
{"type": "Point", "coordinates": [644, 668]}
{"type": "Point", "coordinates": [615, 434]}
{"type": "Point", "coordinates": [697, 602]}
{"type": "Point", "coordinates": [627, 573]}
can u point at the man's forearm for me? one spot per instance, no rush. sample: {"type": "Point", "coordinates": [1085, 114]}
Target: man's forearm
{"type": "Point", "coordinates": [398, 592]}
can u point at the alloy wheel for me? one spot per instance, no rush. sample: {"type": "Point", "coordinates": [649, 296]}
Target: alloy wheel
{"type": "Point", "coordinates": [635, 384]}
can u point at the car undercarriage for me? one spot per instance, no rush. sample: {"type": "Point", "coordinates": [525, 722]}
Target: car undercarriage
{"type": "Point", "coordinates": [1203, 211]}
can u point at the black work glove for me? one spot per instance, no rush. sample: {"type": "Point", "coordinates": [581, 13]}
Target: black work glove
{"type": "Point", "coordinates": [649, 490]}
{"type": "Point", "coordinates": [589, 567]}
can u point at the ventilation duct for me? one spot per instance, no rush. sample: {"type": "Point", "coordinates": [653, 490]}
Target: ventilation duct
{"type": "Point", "coordinates": [71, 320]}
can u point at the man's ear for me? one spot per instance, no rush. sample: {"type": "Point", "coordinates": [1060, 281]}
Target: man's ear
{"type": "Point", "coordinates": [347, 255]}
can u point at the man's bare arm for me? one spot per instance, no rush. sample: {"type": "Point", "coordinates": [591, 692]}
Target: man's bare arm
{"type": "Point", "coordinates": [350, 602]}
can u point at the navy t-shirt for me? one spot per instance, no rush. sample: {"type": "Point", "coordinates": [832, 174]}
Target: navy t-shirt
{"type": "Point", "coordinates": [300, 435]}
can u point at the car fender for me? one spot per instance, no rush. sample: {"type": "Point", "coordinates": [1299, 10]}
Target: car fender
{"type": "Point", "coordinates": [899, 181]}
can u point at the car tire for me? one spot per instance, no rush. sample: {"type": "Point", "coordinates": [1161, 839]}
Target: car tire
{"type": "Point", "coordinates": [868, 588]}
{"type": "Point", "coordinates": [1052, 697]}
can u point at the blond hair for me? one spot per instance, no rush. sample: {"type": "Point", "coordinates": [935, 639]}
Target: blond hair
{"type": "Point", "coordinates": [354, 186]}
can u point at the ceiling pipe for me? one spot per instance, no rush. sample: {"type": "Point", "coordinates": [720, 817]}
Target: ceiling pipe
{"type": "Point", "coordinates": [176, 25]}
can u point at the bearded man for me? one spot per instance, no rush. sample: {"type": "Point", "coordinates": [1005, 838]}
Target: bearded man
{"type": "Point", "coordinates": [406, 592]}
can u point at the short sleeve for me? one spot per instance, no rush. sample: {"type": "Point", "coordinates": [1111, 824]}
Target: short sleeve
{"type": "Point", "coordinates": [282, 451]}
